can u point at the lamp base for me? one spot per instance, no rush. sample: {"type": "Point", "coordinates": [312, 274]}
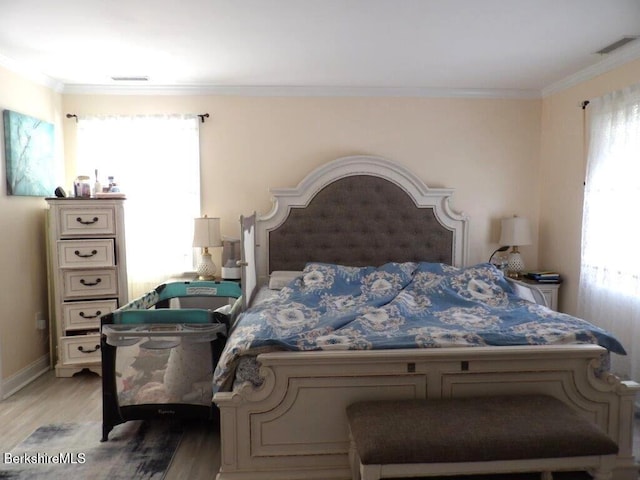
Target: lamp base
{"type": "Point", "coordinates": [206, 269]}
{"type": "Point", "coordinates": [515, 265]}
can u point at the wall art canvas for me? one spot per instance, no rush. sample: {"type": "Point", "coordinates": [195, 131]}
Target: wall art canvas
{"type": "Point", "coordinates": [29, 155]}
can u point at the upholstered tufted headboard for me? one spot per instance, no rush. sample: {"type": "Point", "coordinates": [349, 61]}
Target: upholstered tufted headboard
{"type": "Point", "coordinates": [360, 220]}
{"type": "Point", "coordinates": [358, 211]}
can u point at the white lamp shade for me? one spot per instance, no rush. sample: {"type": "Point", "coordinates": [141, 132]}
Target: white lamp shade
{"type": "Point", "coordinates": [206, 232]}
{"type": "Point", "coordinates": [515, 231]}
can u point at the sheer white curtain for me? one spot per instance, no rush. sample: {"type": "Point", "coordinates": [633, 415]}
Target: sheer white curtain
{"type": "Point", "coordinates": [155, 160]}
{"type": "Point", "coordinates": [609, 294]}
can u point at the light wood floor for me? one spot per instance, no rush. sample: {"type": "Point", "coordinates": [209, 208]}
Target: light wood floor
{"type": "Point", "coordinates": [79, 399]}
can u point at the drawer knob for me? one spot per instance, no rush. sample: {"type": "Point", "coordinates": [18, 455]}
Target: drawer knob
{"type": "Point", "coordinates": [90, 284]}
{"type": "Point", "coordinates": [87, 222]}
{"type": "Point", "coordinates": [86, 255]}
{"type": "Point", "coordinates": [81, 349]}
{"type": "Point", "coordinates": [98, 313]}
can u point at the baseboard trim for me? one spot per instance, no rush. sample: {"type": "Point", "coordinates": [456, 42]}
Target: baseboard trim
{"type": "Point", "coordinates": [25, 376]}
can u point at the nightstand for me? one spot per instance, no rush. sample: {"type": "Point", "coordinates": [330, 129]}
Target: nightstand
{"type": "Point", "coordinates": [549, 290]}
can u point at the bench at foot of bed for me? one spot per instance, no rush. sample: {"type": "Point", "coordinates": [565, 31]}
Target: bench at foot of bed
{"type": "Point", "coordinates": [483, 435]}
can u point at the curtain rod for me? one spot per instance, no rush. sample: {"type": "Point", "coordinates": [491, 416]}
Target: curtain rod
{"type": "Point", "coordinates": [202, 116]}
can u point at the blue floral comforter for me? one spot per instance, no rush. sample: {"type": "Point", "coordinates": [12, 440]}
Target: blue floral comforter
{"type": "Point", "coordinates": [400, 305]}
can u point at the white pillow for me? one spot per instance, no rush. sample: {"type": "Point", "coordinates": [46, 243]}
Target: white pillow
{"type": "Point", "coordinates": [281, 278]}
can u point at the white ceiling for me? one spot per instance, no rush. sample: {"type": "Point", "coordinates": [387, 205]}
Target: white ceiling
{"type": "Point", "coordinates": [340, 46]}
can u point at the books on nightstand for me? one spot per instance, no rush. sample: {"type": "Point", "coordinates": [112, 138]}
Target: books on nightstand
{"type": "Point", "coordinates": [544, 276]}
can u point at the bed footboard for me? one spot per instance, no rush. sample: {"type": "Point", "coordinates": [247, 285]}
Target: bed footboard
{"type": "Point", "coordinates": [294, 425]}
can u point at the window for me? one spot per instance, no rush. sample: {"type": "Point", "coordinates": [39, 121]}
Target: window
{"type": "Point", "coordinates": [609, 294]}
{"type": "Point", "coordinates": [155, 160]}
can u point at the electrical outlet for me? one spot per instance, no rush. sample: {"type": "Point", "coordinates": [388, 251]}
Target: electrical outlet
{"type": "Point", "coordinates": [41, 322]}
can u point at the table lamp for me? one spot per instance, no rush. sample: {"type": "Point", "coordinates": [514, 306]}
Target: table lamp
{"type": "Point", "coordinates": [515, 231]}
{"type": "Point", "coordinates": [206, 234]}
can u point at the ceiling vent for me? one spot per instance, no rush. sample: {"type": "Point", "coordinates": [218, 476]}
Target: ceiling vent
{"type": "Point", "coordinates": [618, 44]}
{"type": "Point", "coordinates": [130, 79]}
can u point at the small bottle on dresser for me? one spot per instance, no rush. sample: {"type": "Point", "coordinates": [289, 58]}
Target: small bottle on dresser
{"type": "Point", "coordinates": [97, 188]}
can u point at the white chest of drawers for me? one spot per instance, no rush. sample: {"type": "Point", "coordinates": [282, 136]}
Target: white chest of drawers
{"type": "Point", "coordinates": [87, 277]}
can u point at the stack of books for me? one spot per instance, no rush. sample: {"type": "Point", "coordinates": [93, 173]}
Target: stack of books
{"type": "Point", "coordinates": [544, 276]}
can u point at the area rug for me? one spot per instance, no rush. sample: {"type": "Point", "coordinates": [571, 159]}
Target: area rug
{"type": "Point", "coordinates": [135, 450]}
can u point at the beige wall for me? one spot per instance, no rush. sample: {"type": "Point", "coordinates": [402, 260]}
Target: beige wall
{"type": "Point", "coordinates": [503, 157]}
{"type": "Point", "coordinates": [562, 168]}
{"type": "Point", "coordinates": [486, 149]}
{"type": "Point", "coordinates": [23, 277]}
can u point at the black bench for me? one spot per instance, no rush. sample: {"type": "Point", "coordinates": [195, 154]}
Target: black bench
{"type": "Point", "coordinates": [480, 435]}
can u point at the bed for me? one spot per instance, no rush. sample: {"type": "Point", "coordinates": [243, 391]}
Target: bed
{"type": "Point", "coordinates": [360, 211]}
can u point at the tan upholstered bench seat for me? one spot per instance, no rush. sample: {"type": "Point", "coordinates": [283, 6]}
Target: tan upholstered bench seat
{"type": "Point", "coordinates": [498, 434]}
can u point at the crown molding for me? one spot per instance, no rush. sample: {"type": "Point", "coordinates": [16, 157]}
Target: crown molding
{"type": "Point", "coordinates": [262, 90]}
{"type": "Point", "coordinates": [298, 91]}
{"type": "Point", "coordinates": [31, 74]}
{"type": "Point", "coordinates": [624, 55]}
